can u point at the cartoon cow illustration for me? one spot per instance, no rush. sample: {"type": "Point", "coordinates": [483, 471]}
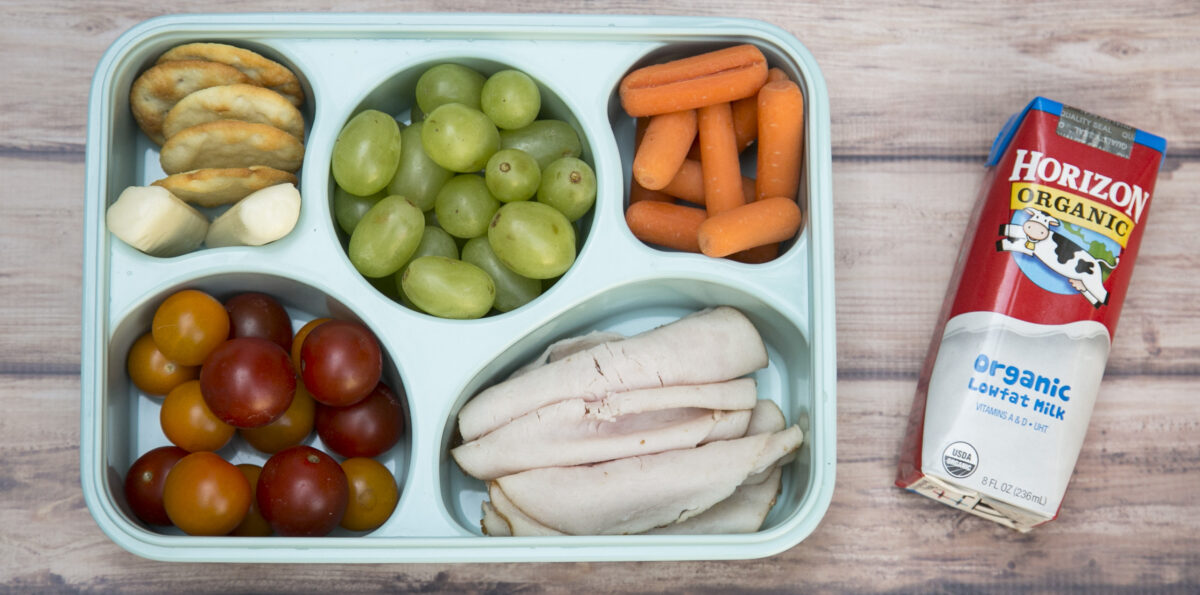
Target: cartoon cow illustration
{"type": "Point", "coordinates": [1056, 251]}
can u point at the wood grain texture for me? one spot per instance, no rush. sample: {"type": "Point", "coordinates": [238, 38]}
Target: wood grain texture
{"type": "Point", "coordinates": [917, 92]}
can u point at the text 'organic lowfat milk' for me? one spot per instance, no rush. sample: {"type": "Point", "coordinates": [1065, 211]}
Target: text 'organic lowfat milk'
{"type": "Point", "coordinates": [1008, 387]}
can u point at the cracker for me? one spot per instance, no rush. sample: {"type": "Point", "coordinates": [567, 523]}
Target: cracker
{"type": "Point", "coordinates": [158, 89]}
{"type": "Point", "coordinates": [213, 187]}
{"type": "Point", "coordinates": [248, 103]}
{"type": "Point", "coordinates": [231, 143]}
{"type": "Point", "coordinates": [262, 71]}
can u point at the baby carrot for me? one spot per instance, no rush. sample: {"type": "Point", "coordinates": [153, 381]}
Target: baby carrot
{"type": "Point", "coordinates": [754, 224]}
{"type": "Point", "coordinates": [780, 139]}
{"type": "Point", "coordinates": [637, 194]}
{"type": "Point", "coordinates": [663, 148]}
{"type": "Point", "coordinates": [776, 74]}
{"type": "Point", "coordinates": [757, 254]}
{"type": "Point", "coordinates": [688, 83]}
{"type": "Point", "coordinates": [688, 184]}
{"type": "Point", "coordinates": [666, 224]}
{"type": "Point", "coordinates": [745, 126]}
{"type": "Point", "coordinates": [719, 159]}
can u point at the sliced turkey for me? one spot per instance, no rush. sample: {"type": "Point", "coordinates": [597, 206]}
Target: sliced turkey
{"type": "Point", "coordinates": [712, 345]}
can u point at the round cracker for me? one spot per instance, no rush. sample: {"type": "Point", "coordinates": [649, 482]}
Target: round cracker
{"type": "Point", "coordinates": [213, 187]}
{"type": "Point", "coordinates": [158, 89]}
{"type": "Point", "coordinates": [230, 143]}
{"type": "Point", "coordinates": [262, 71]}
{"type": "Point", "coordinates": [248, 103]}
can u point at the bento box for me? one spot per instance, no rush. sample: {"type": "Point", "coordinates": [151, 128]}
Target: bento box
{"type": "Point", "coordinates": [347, 62]}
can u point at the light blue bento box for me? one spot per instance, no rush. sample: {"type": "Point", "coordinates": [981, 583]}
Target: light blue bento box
{"type": "Point", "coordinates": [348, 62]}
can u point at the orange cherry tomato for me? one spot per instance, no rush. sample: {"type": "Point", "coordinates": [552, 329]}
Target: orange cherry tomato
{"type": "Point", "coordinates": [373, 494]}
{"type": "Point", "coordinates": [206, 495]}
{"type": "Point", "coordinates": [188, 422]}
{"type": "Point", "coordinates": [290, 429]}
{"type": "Point", "coordinates": [188, 325]}
{"type": "Point", "coordinates": [254, 525]}
{"type": "Point", "coordinates": [151, 371]}
{"type": "Point", "coordinates": [298, 340]}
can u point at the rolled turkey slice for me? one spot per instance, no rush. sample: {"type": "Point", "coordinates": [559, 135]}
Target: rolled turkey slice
{"type": "Point", "coordinates": [564, 347]}
{"type": "Point", "coordinates": [492, 523]}
{"type": "Point", "coordinates": [575, 432]}
{"type": "Point", "coordinates": [635, 494]}
{"type": "Point", "coordinates": [742, 512]}
{"type": "Point", "coordinates": [517, 522]}
{"type": "Point", "coordinates": [711, 345]}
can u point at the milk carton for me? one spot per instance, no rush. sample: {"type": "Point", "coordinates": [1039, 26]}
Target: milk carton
{"type": "Point", "coordinates": [1004, 398]}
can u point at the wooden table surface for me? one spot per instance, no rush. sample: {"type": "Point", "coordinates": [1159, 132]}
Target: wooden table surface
{"type": "Point", "coordinates": [917, 91]}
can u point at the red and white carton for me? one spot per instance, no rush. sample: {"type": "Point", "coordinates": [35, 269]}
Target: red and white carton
{"type": "Point", "coordinates": [1006, 392]}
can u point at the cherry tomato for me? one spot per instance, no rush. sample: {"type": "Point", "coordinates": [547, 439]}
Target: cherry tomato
{"type": "Point", "coordinates": [144, 483]}
{"type": "Point", "coordinates": [289, 430]}
{"type": "Point", "coordinates": [302, 492]}
{"type": "Point", "coordinates": [188, 325]}
{"type": "Point", "coordinates": [206, 495]}
{"type": "Point", "coordinates": [151, 371]}
{"type": "Point", "coordinates": [248, 382]}
{"type": "Point", "coordinates": [340, 362]}
{"type": "Point", "coordinates": [188, 422]}
{"type": "Point", "coordinates": [365, 429]}
{"type": "Point", "coordinates": [301, 334]}
{"type": "Point", "coordinates": [254, 525]}
{"type": "Point", "coordinates": [373, 494]}
{"type": "Point", "coordinates": [256, 314]}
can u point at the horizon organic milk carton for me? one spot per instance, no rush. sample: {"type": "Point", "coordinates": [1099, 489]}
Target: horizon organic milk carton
{"type": "Point", "coordinates": [1015, 364]}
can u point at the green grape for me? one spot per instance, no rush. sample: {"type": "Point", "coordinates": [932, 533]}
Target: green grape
{"type": "Point", "coordinates": [459, 138]}
{"type": "Point", "coordinates": [512, 175]}
{"type": "Point", "coordinates": [512, 290]}
{"type": "Point", "coordinates": [545, 140]}
{"type": "Point", "coordinates": [434, 241]}
{"type": "Point", "coordinates": [366, 152]}
{"type": "Point", "coordinates": [568, 185]}
{"type": "Point", "coordinates": [418, 178]}
{"type": "Point", "coordinates": [464, 206]}
{"type": "Point", "coordinates": [448, 288]}
{"type": "Point", "coordinates": [448, 83]}
{"type": "Point", "coordinates": [386, 237]}
{"type": "Point", "coordinates": [349, 209]}
{"type": "Point", "coordinates": [511, 99]}
{"type": "Point", "coordinates": [532, 239]}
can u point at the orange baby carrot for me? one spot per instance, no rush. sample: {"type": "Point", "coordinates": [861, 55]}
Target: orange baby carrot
{"type": "Point", "coordinates": [719, 159]}
{"type": "Point", "coordinates": [666, 224]}
{"type": "Point", "coordinates": [663, 148]}
{"type": "Point", "coordinates": [688, 184]}
{"type": "Point", "coordinates": [780, 139]}
{"type": "Point", "coordinates": [745, 126]}
{"type": "Point", "coordinates": [637, 194]}
{"type": "Point", "coordinates": [745, 121]}
{"type": "Point", "coordinates": [754, 224]}
{"type": "Point", "coordinates": [776, 74]}
{"type": "Point", "coordinates": [688, 83]}
{"type": "Point", "coordinates": [757, 254]}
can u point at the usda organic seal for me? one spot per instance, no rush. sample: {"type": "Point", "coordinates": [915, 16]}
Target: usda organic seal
{"type": "Point", "coordinates": [960, 459]}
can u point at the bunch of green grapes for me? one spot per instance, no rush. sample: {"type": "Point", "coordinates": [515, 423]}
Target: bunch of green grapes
{"type": "Point", "coordinates": [471, 206]}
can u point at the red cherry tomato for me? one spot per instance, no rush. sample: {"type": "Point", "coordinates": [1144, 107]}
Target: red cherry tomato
{"type": "Point", "coordinates": [340, 362]}
{"type": "Point", "coordinates": [206, 495]}
{"type": "Point", "coordinates": [248, 382]}
{"type": "Point", "coordinates": [259, 315]}
{"type": "Point", "coordinates": [145, 480]}
{"type": "Point", "coordinates": [302, 492]}
{"type": "Point", "coordinates": [367, 428]}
